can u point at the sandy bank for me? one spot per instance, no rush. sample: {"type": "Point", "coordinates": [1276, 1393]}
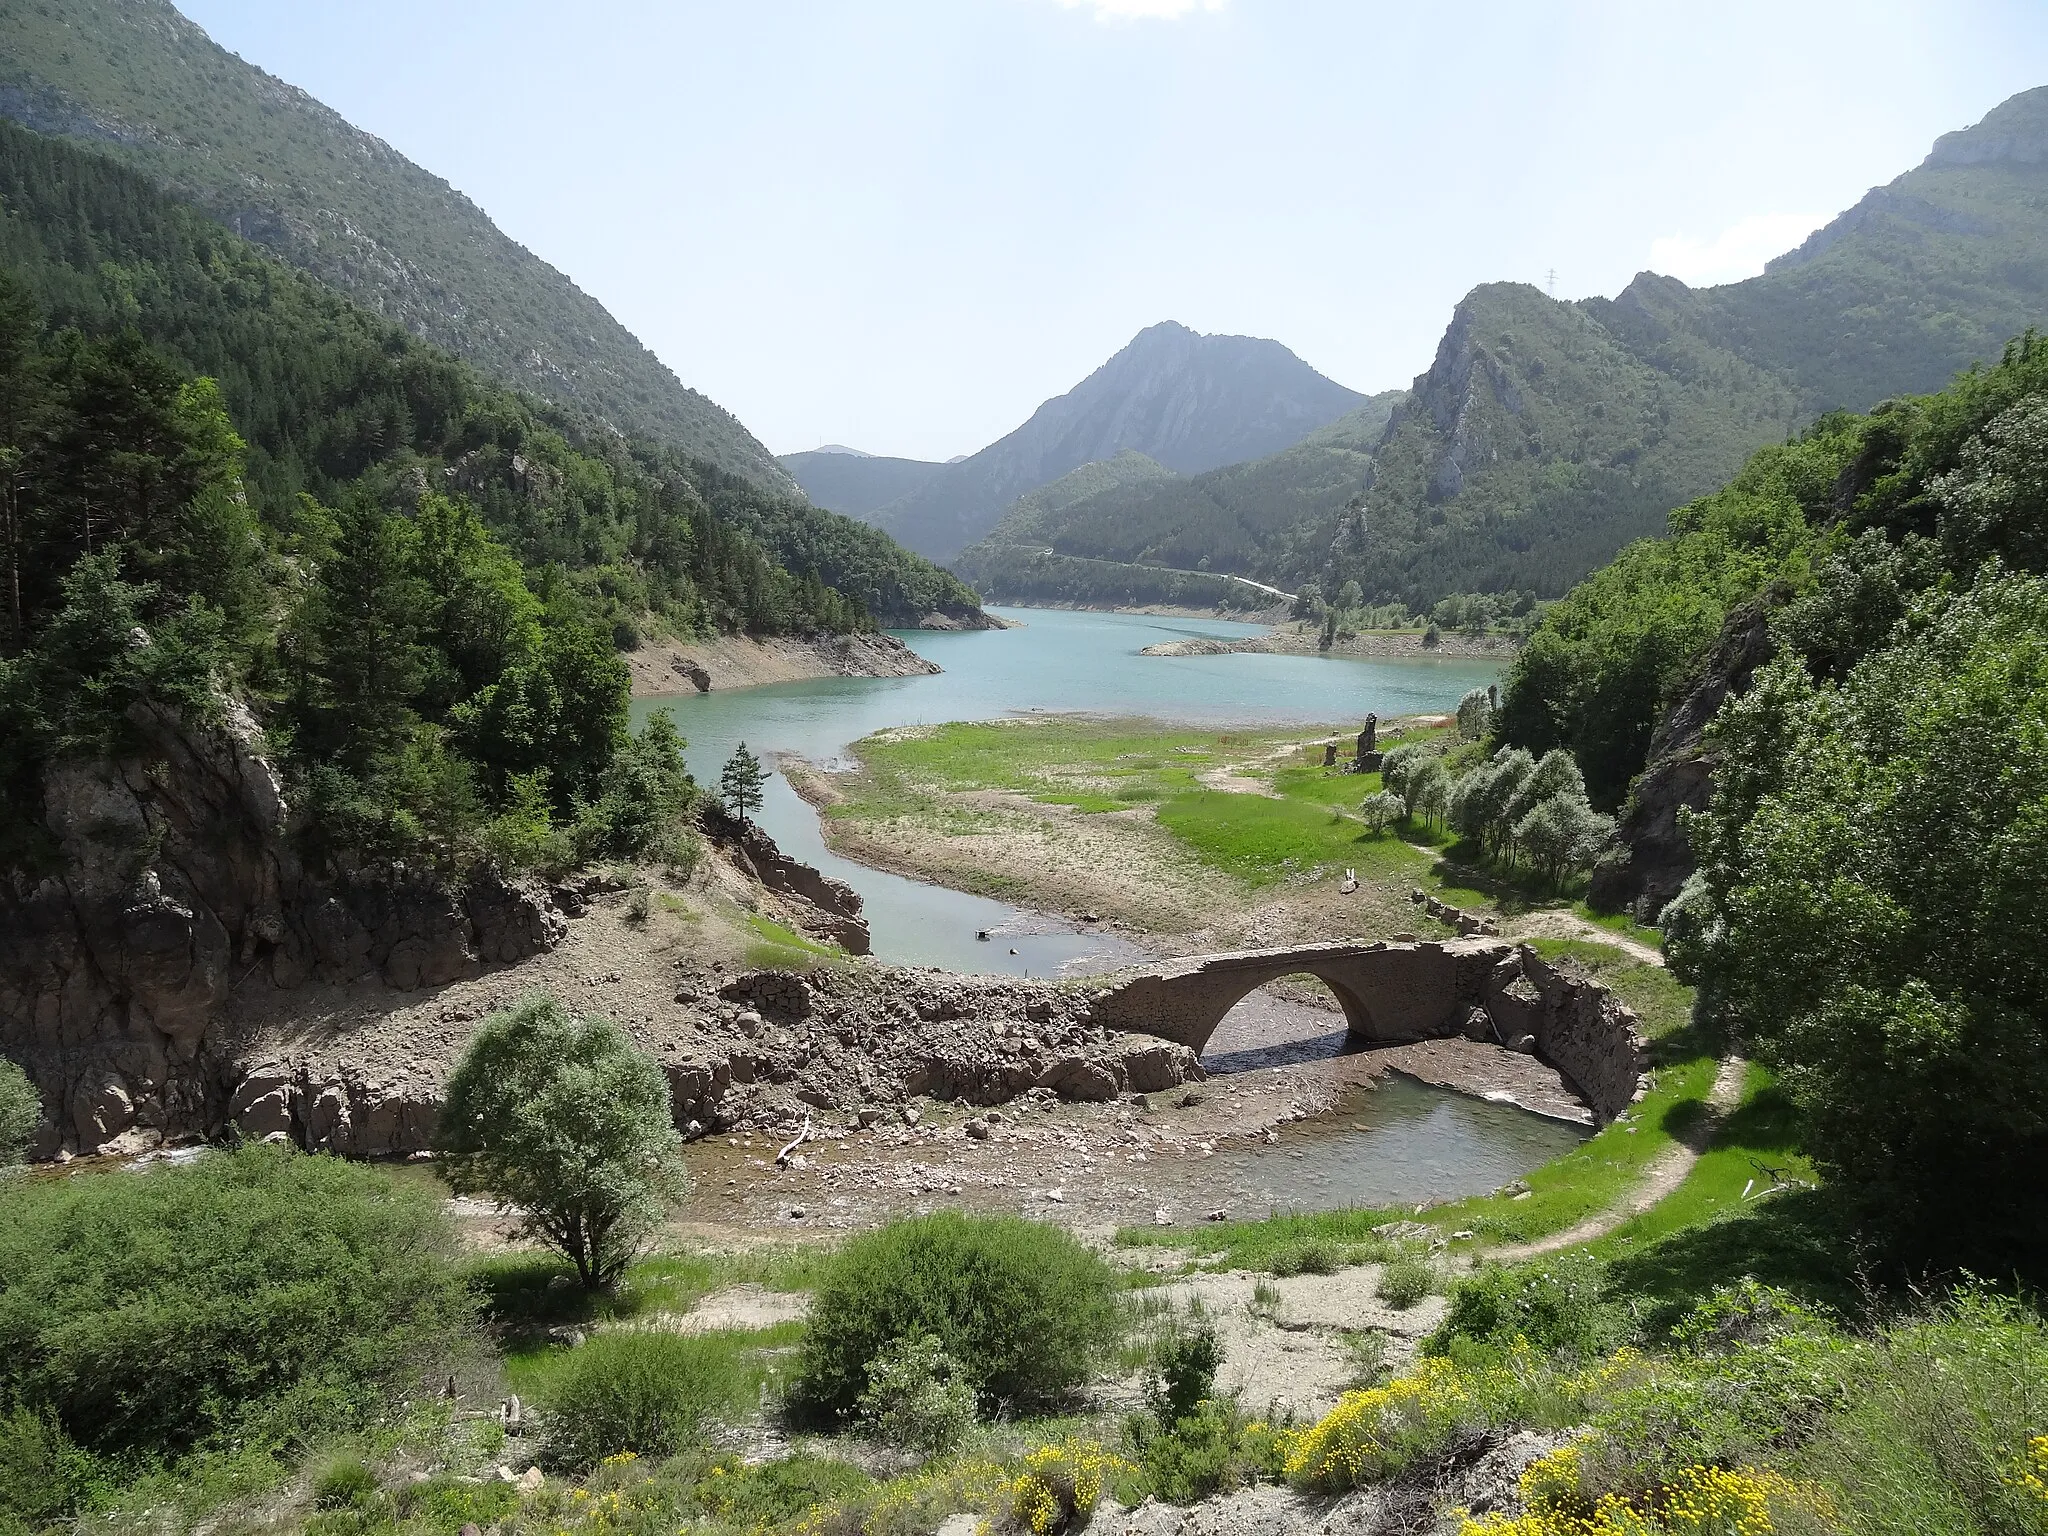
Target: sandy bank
{"type": "Point", "coordinates": [1275, 614]}
{"type": "Point", "coordinates": [1302, 640]}
{"type": "Point", "coordinates": [744, 661]}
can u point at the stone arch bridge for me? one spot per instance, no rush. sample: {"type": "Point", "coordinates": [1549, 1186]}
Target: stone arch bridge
{"type": "Point", "coordinates": [1392, 993]}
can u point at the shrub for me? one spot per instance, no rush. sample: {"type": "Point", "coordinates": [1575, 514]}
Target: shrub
{"type": "Point", "coordinates": [260, 1293]}
{"type": "Point", "coordinates": [773, 1493]}
{"type": "Point", "coordinates": [1700, 1501]}
{"type": "Point", "coordinates": [44, 1477]}
{"type": "Point", "coordinates": [1182, 1371]}
{"type": "Point", "coordinates": [1372, 1434]}
{"type": "Point", "coordinates": [344, 1483]}
{"type": "Point", "coordinates": [1556, 1305]}
{"type": "Point", "coordinates": [1406, 1279]}
{"type": "Point", "coordinates": [21, 1111]}
{"type": "Point", "coordinates": [1023, 1308]}
{"type": "Point", "coordinates": [1381, 809]}
{"type": "Point", "coordinates": [569, 1122]}
{"type": "Point", "coordinates": [648, 1393]}
{"type": "Point", "coordinates": [1212, 1450]}
{"type": "Point", "coordinates": [915, 1397]}
{"type": "Point", "coordinates": [1060, 1483]}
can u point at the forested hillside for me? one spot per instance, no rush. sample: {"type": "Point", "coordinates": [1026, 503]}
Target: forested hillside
{"type": "Point", "coordinates": [858, 484]}
{"type": "Point", "coordinates": [324, 394]}
{"type": "Point", "coordinates": [146, 85]}
{"type": "Point", "coordinates": [417, 577]}
{"type": "Point", "coordinates": [1546, 436]}
{"type": "Point", "coordinates": [1116, 532]}
{"type": "Point", "coordinates": [1819, 549]}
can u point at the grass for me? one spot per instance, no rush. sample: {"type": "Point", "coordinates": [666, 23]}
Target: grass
{"type": "Point", "coordinates": [525, 1295]}
{"type": "Point", "coordinates": [776, 948]}
{"type": "Point", "coordinates": [1100, 766]}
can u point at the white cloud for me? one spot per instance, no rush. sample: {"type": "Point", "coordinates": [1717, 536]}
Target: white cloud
{"type": "Point", "coordinates": [1739, 251]}
{"type": "Point", "coordinates": [1144, 10]}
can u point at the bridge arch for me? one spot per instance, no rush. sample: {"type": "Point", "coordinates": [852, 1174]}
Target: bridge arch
{"type": "Point", "coordinates": [1489, 989]}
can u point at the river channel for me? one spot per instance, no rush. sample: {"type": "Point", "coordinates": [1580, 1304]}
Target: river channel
{"type": "Point", "coordinates": [1405, 1143]}
{"type": "Point", "coordinates": [1055, 661]}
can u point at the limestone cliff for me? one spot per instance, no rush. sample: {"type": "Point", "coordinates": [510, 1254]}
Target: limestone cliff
{"type": "Point", "coordinates": [179, 888]}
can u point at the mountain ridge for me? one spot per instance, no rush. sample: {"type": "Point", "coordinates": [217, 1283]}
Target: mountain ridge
{"type": "Point", "coordinates": [1190, 402]}
{"type": "Point", "coordinates": [279, 167]}
{"type": "Point", "coordinates": [1546, 435]}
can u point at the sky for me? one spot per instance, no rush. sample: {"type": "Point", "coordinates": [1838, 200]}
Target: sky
{"type": "Point", "coordinates": [901, 224]}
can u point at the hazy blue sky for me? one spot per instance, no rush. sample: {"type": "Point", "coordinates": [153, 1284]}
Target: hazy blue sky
{"type": "Point", "coordinates": [900, 224]}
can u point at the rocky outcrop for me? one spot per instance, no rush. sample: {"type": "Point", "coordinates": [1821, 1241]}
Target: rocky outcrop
{"type": "Point", "coordinates": [1648, 858]}
{"type": "Point", "coordinates": [179, 889]}
{"type": "Point", "coordinates": [825, 908]}
{"type": "Point", "coordinates": [841, 1042]}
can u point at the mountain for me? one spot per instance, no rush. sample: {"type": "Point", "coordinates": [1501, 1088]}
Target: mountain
{"type": "Point", "coordinates": [1545, 435]}
{"type": "Point", "coordinates": [142, 83]}
{"type": "Point", "coordinates": [857, 484]}
{"type": "Point", "coordinates": [331, 401]}
{"type": "Point", "coordinates": [1189, 402]}
{"type": "Point", "coordinates": [1133, 533]}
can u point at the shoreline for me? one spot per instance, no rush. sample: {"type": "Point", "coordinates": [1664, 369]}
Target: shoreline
{"type": "Point", "coordinates": [725, 662]}
{"type": "Point", "coordinates": [1303, 640]}
{"type": "Point", "coordinates": [1272, 615]}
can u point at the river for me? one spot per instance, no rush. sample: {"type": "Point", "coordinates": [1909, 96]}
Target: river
{"type": "Point", "coordinates": [1055, 661]}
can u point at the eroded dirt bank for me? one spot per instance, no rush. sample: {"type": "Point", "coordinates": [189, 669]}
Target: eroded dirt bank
{"type": "Point", "coordinates": [746, 661]}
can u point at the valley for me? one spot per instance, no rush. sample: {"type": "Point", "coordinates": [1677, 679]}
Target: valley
{"type": "Point", "coordinates": [1250, 958]}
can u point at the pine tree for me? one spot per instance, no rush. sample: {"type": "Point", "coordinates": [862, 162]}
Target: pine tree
{"type": "Point", "coordinates": [740, 783]}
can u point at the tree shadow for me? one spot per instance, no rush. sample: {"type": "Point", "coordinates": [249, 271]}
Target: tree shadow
{"type": "Point", "coordinates": [1805, 1241]}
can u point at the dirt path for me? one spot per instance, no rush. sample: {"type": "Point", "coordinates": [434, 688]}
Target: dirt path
{"type": "Point", "coordinates": [1664, 1174]}
{"type": "Point", "coordinates": [1558, 924]}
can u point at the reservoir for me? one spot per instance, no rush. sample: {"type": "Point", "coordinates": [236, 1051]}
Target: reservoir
{"type": "Point", "coordinates": [1055, 661]}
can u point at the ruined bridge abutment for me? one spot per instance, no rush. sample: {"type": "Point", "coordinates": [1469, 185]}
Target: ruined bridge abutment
{"type": "Point", "coordinates": [1394, 993]}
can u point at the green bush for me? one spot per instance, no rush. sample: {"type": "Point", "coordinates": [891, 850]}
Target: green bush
{"type": "Point", "coordinates": [773, 1493]}
{"type": "Point", "coordinates": [1555, 1304]}
{"type": "Point", "coordinates": [21, 1111]}
{"type": "Point", "coordinates": [344, 1483]}
{"type": "Point", "coordinates": [261, 1294]}
{"type": "Point", "coordinates": [1212, 1450]}
{"type": "Point", "coordinates": [1182, 1371]}
{"type": "Point", "coordinates": [569, 1121]}
{"type": "Point", "coordinates": [44, 1477]}
{"type": "Point", "coordinates": [1024, 1308]}
{"type": "Point", "coordinates": [648, 1393]}
{"type": "Point", "coordinates": [1406, 1279]}
{"type": "Point", "coordinates": [915, 1397]}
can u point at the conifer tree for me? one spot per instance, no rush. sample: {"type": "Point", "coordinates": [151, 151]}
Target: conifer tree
{"type": "Point", "coordinates": [740, 783]}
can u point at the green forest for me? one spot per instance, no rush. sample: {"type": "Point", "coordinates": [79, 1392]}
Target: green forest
{"type": "Point", "coordinates": [1837, 533]}
{"type": "Point", "coordinates": [138, 82]}
{"type": "Point", "coordinates": [292, 499]}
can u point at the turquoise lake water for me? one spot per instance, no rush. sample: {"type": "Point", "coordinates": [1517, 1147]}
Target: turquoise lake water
{"type": "Point", "coordinates": [1056, 661]}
